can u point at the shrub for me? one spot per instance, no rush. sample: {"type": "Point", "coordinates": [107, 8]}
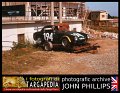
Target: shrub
{"type": "Point", "coordinates": [22, 45]}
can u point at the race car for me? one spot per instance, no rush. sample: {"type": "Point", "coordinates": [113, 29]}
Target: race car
{"type": "Point", "coordinates": [52, 35]}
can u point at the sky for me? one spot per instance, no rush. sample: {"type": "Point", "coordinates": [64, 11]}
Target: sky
{"type": "Point", "coordinates": [110, 7]}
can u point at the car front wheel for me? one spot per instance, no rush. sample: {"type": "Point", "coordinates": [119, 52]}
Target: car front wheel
{"type": "Point", "coordinates": [67, 45]}
{"type": "Point", "coordinates": [65, 42]}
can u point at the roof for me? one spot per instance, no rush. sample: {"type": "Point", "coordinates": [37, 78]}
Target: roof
{"type": "Point", "coordinates": [101, 11]}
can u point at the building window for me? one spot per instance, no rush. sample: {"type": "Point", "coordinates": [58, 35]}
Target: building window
{"type": "Point", "coordinates": [21, 38]}
{"type": "Point", "coordinates": [15, 10]}
{"type": "Point", "coordinates": [75, 12]}
{"type": "Point", "coordinates": [71, 12]}
{"type": "Point", "coordinates": [74, 29]}
{"type": "Point", "coordinates": [103, 16]}
{"type": "Point", "coordinates": [39, 11]}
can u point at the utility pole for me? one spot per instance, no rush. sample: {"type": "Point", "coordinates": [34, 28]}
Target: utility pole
{"type": "Point", "coordinates": [60, 12]}
{"type": "Point", "coordinates": [52, 13]}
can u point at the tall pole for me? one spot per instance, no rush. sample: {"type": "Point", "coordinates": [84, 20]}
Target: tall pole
{"type": "Point", "coordinates": [28, 10]}
{"type": "Point", "coordinates": [60, 12]}
{"type": "Point", "coordinates": [52, 13]}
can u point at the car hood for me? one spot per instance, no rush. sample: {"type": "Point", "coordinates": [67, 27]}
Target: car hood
{"type": "Point", "coordinates": [77, 34]}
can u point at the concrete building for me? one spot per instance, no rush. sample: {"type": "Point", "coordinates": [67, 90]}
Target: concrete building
{"type": "Point", "coordinates": [99, 15]}
{"type": "Point", "coordinates": [21, 19]}
{"type": "Point", "coordinates": [99, 18]}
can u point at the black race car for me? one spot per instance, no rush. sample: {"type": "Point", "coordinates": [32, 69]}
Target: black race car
{"type": "Point", "coordinates": [51, 35]}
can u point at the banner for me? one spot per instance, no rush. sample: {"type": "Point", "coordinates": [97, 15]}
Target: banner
{"type": "Point", "coordinates": [65, 83]}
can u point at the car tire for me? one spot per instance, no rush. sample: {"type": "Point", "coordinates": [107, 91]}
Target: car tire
{"type": "Point", "coordinates": [65, 43]}
{"type": "Point", "coordinates": [48, 46]}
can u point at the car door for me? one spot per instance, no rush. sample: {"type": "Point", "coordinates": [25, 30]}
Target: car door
{"type": "Point", "coordinates": [48, 34]}
{"type": "Point", "coordinates": [57, 35]}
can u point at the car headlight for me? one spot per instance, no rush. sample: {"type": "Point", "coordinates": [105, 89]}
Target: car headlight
{"type": "Point", "coordinates": [88, 36]}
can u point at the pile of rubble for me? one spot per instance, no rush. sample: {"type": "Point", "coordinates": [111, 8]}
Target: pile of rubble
{"type": "Point", "coordinates": [97, 34]}
{"type": "Point", "coordinates": [109, 35]}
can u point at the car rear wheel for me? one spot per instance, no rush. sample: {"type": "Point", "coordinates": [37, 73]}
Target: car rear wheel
{"type": "Point", "coordinates": [48, 46]}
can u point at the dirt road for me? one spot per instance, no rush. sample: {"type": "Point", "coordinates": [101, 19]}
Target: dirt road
{"type": "Point", "coordinates": [104, 62]}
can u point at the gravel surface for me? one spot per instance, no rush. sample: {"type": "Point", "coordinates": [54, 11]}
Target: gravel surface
{"type": "Point", "coordinates": [104, 62]}
{"type": "Point", "coordinates": [101, 63]}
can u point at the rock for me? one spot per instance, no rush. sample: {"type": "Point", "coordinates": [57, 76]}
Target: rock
{"type": "Point", "coordinates": [25, 63]}
{"type": "Point", "coordinates": [98, 34]}
{"type": "Point", "coordinates": [110, 35]}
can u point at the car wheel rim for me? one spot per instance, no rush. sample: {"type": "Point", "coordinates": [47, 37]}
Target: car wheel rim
{"type": "Point", "coordinates": [64, 42]}
{"type": "Point", "coordinates": [48, 46]}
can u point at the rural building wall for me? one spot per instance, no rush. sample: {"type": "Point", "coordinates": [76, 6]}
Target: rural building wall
{"type": "Point", "coordinates": [10, 32]}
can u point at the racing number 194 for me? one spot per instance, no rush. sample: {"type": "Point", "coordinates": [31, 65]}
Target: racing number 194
{"type": "Point", "coordinates": [48, 36]}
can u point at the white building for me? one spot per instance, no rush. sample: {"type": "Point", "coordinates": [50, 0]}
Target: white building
{"type": "Point", "coordinates": [19, 25]}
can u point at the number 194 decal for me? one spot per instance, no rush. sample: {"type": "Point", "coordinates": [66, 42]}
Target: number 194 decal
{"type": "Point", "coordinates": [48, 36]}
